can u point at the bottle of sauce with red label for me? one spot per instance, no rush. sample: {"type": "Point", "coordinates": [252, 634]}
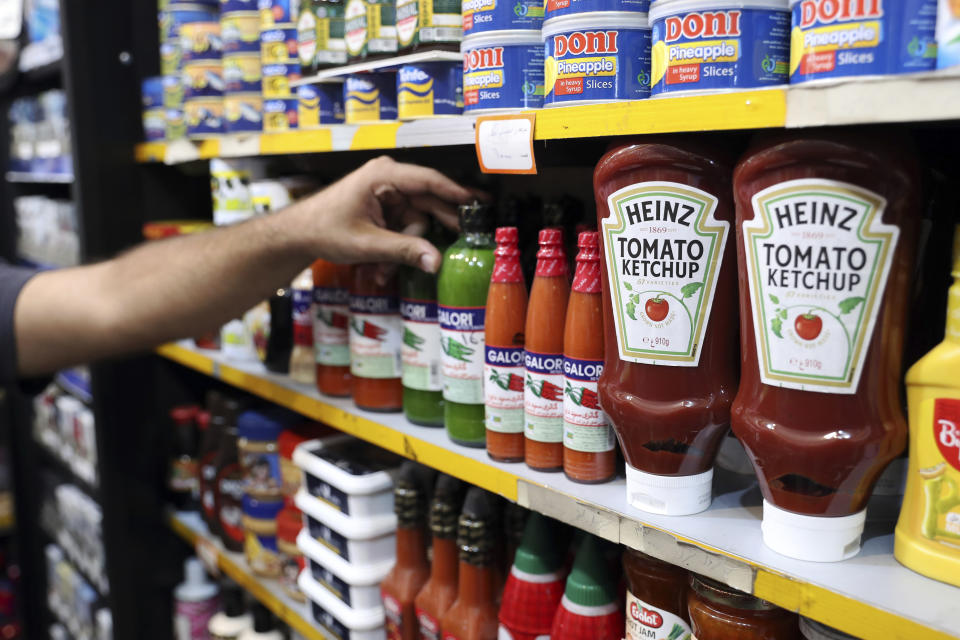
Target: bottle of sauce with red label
{"type": "Point", "coordinates": [719, 612]}
{"type": "Point", "coordinates": [440, 591]}
{"type": "Point", "coordinates": [473, 615]}
{"type": "Point", "coordinates": [589, 453]}
{"type": "Point", "coordinates": [182, 479]}
{"type": "Point", "coordinates": [656, 598]}
{"type": "Point", "coordinates": [209, 448]}
{"type": "Point", "coordinates": [229, 481]}
{"type": "Point", "coordinates": [543, 355]}
{"type": "Point", "coordinates": [826, 229]}
{"type": "Point", "coordinates": [503, 372]}
{"type": "Point", "coordinates": [411, 571]}
{"type": "Point", "coordinates": [303, 366]}
{"type": "Point", "coordinates": [376, 332]}
{"type": "Point", "coordinates": [331, 322]}
{"type": "Point", "coordinates": [669, 290]}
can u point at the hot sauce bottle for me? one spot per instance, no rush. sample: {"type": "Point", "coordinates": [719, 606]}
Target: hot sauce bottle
{"type": "Point", "coordinates": [543, 355]}
{"type": "Point", "coordinates": [589, 453]}
{"type": "Point", "coordinates": [718, 612]}
{"type": "Point", "coordinates": [302, 361]}
{"type": "Point", "coordinates": [422, 383]}
{"type": "Point", "coordinates": [462, 295]}
{"type": "Point", "coordinates": [440, 591]}
{"type": "Point", "coordinates": [826, 228]}
{"type": "Point", "coordinates": [656, 598]}
{"type": "Point", "coordinates": [588, 609]}
{"type": "Point", "coordinates": [473, 616]}
{"type": "Point", "coordinates": [331, 321]}
{"type": "Point", "coordinates": [411, 570]}
{"type": "Point", "coordinates": [669, 290]}
{"type": "Point", "coordinates": [376, 330]}
{"type": "Point", "coordinates": [503, 361]}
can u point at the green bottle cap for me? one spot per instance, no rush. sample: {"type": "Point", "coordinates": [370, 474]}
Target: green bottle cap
{"type": "Point", "coordinates": [537, 553]}
{"type": "Point", "coordinates": [589, 583]}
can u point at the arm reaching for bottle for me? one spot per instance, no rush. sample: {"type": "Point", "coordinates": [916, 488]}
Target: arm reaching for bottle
{"type": "Point", "coordinates": [190, 285]}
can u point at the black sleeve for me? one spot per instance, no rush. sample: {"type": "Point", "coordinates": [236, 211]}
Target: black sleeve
{"type": "Point", "coordinates": [12, 280]}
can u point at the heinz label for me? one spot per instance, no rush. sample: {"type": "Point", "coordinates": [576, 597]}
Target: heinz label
{"type": "Point", "coordinates": [836, 38]}
{"type": "Point", "coordinates": [664, 249]}
{"type": "Point", "coordinates": [330, 323]}
{"type": "Point", "coordinates": [817, 256]}
{"type": "Point", "coordinates": [543, 396]}
{"type": "Point", "coordinates": [646, 622]}
{"type": "Point", "coordinates": [421, 345]}
{"type": "Point", "coordinates": [503, 376]}
{"type": "Point", "coordinates": [375, 337]}
{"type": "Point", "coordinates": [585, 427]}
{"type": "Point", "coordinates": [462, 339]}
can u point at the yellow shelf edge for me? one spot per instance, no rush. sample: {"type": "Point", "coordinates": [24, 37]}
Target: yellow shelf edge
{"type": "Point", "coordinates": [251, 584]}
{"type": "Point", "coordinates": [467, 469]}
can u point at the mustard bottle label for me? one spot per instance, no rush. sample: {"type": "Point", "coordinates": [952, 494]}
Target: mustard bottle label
{"type": "Point", "coordinates": [817, 256]}
{"type": "Point", "coordinates": [664, 248]}
{"type": "Point", "coordinates": [939, 471]}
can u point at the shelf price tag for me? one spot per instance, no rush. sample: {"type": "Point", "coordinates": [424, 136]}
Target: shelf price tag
{"type": "Point", "coordinates": [208, 553]}
{"type": "Point", "coordinates": [505, 143]}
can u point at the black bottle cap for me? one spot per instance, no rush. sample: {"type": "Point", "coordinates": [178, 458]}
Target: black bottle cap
{"type": "Point", "coordinates": [476, 217]}
{"type": "Point", "coordinates": [410, 494]}
{"type": "Point", "coordinates": [445, 510]}
{"type": "Point", "coordinates": [262, 619]}
{"type": "Point", "coordinates": [233, 605]}
{"type": "Point", "coordinates": [476, 531]}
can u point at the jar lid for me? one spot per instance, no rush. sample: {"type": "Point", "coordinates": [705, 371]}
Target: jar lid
{"type": "Point", "coordinates": [261, 509]}
{"type": "Point", "coordinates": [722, 594]}
{"type": "Point", "coordinates": [589, 583]}
{"type": "Point", "coordinates": [264, 425]}
{"type": "Point", "coordinates": [289, 524]}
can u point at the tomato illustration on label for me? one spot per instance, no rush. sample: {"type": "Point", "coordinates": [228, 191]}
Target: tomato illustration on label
{"type": "Point", "coordinates": [657, 308]}
{"type": "Point", "coordinates": [808, 325]}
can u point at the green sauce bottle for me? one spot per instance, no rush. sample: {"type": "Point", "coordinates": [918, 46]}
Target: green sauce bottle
{"type": "Point", "coordinates": [462, 297]}
{"type": "Point", "coordinates": [422, 384]}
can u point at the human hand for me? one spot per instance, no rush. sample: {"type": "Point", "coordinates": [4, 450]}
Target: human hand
{"type": "Point", "coordinates": [352, 218]}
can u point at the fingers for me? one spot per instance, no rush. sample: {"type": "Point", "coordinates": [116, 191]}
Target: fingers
{"type": "Point", "coordinates": [381, 245]}
{"type": "Point", "coordinates": [413, 180]}
{"type": "Point", "coordinates": [440, 209]}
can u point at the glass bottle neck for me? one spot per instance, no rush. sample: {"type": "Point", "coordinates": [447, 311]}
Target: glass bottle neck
{"type": "Point", "coordinates": [411, 547]}
{"type": "Point", "coordinates": [478, 238]}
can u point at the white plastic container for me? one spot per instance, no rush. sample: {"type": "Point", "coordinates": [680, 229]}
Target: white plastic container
{"type": "Point", "coordinates": [356, 585]}
{"type": "Point", "coordinates": [348, 475]}
{"type": "Point", "coordinates": [356, 539]}
{"type": "Point", "coordinates": [337, 619]}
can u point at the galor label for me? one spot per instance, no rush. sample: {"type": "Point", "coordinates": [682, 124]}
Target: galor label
{"type": "Point", "coordinates": [646, 622]}
{"type": "Point", "coordinates": [503, 375]}
{"type": "Point", "coordinates": [421, 345]}
{"type": "Point", "coordinates": [462, 339]}
{"type": "Point", "coordinates": [664, 249]}
{"type": "Point", "coordinates": [543, 397]}
{"type": "Point", "coordinates": [376, 329]}
{"type": "Point", "coordinates": [331, 320]}
{"type": "Point", "coordinates": [817, 259]}
{"type": "Point", "coordinates": [585, 427]}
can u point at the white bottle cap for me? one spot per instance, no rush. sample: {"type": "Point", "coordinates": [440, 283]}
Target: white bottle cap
{"type": "Point", "coordinates": [669, 495]}
{"type": "Point", "coordinates": [812, 538]}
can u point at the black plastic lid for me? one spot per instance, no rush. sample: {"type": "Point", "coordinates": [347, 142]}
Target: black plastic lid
{"type": "Point", "coordinates": [476, 532]}
{"type": "Point", "coordinates": [476, 217]}
{"type": "Point", "coordinates": [262, 619]}
{"type": "Point", "coordinates": [233, 605]}
{"type": "Point", "coordinates": [410, 494]}
{"type": "Point", "coordinates": [445, 510]}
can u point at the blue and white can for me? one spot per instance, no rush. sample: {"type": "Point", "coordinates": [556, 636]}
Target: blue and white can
{"type": "Point", "coordinates": [204, 117]}
{"type": "Point", "coordinates": [370, 97]}
{"type": "Point", "coordinates": [280, 115]}
{"type": "Point", "coordinates": [320, 104]}
{"type": "Point", "coordinates": [429, 89]}
{"type": "Point", "coordinates": [203, 79]}
{"type": "Point", "coordinates": [240, 32]}
{"type": "Point", "coordinates": [557, 8]}
{"type": "Point", "coordinates": [596, 57]}
{"type": "Point", "coordinates": [180, 13]}
{"type": "Point", "coordinates": [277, 12]}
{"type": "Point", "coordinates": [948, 34]}
{"type": "Point", "coordinates": [230, 6]}
{"type": "Point", "coordinates": [711, 46]}
{"type": "Point", "coordinates": [243, 112]}
{"type": "Point", "coordinates": [482, 16]}
{"type": "Point", "coordinates": [502, 70]}
{"type": "Point", "coordinates": [845, 38]}
{"type": "Point", "coordinates": [151, 92]}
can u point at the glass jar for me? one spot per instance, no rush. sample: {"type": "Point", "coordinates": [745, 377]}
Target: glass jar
{"type": "Point", "coordinates": [719, 612]}
{"type": "Point", "coordinates": [656, 597]}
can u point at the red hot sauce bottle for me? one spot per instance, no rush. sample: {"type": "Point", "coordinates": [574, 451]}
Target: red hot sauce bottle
{"type": "Point", "coordinates": [826, 226]}
{"type": "Point", "coordinates": [669, 289]}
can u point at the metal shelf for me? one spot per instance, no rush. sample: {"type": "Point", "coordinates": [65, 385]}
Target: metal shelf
{"type": "Point", "coordinates": [869, 596]}
{"type": "Point", "coordinates": [30, 177]}
{"type": "Point", "coordinates": [190, 527]}
{"type": "Point", "coordinates": [922, 97]}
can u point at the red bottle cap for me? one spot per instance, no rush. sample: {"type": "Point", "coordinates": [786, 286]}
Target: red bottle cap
{"type": "Point", "coordinates": [289, 524]}
{"type": "Point", "coordinates": [506, 263]}
{"type": "Point", "coordinates": [507, 235]}
{"type": "Point", "coordinates": [586, 279]}
{"type": "Point", "coordinates": [184, 413]}
{"type": "Point", "coordinates": [551, 258]}
{"type": "Point", "coordinates": [551, 235]}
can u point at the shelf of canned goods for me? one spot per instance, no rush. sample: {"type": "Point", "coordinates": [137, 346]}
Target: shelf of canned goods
{"type": "Point", "coordinates": [921, 97]}
{"type": "Point", "coordinates": [869, 596]}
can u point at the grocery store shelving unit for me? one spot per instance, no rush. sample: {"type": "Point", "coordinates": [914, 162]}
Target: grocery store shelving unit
{"type": "Point", "coordinates": [190, 527]}
{"type": "Point", "coordinates": [870, 596]}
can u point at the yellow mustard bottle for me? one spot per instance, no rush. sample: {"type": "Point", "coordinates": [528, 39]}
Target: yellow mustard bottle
{"type": "Point", "coordinates": [928, 532]}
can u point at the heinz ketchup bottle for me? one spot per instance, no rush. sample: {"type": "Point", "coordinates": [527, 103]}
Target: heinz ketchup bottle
{"type": "Point", "coordinates": [669, 290]}
{"type": "Point", "coordinates": [826, 228]}
{"type": "Point", "coordinates": [376, 330]}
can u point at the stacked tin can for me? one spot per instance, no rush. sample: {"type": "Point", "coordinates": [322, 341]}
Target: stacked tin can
{"type": "Point", "coordinates": [203, 83]}
{"type": "Point", "coordinates": [321, 45]}
{"type": "Point", "coordinates": [172, 19]}
{"type": "Point", "coordinates": [280, 63]}
{"type": "Point", "coordinates": [243, 99]}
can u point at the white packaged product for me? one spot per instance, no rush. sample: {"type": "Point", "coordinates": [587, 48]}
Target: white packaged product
{"type": "Point", "coordinates": [337, 619]}
{"type": "Point", "coordinates": [349, 475]}
{"type": "Point", "coordinates": [356, 539]}
{"type": "Point", "coordinates": [356, 585]}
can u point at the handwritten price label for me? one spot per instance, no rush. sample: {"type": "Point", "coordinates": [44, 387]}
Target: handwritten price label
{"type": "Point", "coordinates": [505, 143]}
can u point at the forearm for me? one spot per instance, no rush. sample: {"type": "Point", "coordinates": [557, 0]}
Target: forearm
{"type": "Point", "coordinates": [157, 292]}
